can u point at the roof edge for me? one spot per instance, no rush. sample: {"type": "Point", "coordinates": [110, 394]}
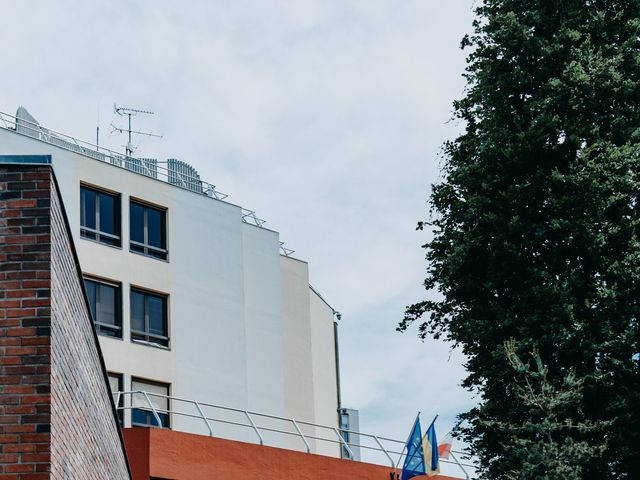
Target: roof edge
{"type": "Point", "coordinates": [25, 159]}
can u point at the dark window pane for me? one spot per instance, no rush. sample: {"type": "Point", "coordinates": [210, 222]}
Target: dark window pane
{"type": "Point", "coordinates": [104, 225]}
{"type": "Point", "coordinates": [104, 301]}
{"type": "Point", "coordinates": [137, 222]}
{"type": "Point", "coordinates": [164, 418]}
{"type": "Point", "coordinates": [155, 228]}
{"type": "Point", "coordinates": [146, 417]}
{"type": "Point", "coordinates": [148, 230]}
{"type": "Point", "coordinates": [107, 214]}
{"type": "Point", "coordinates": [156, 315]}
{"type": "Point", "coordinates": [107, 305]}
{"type": "Point", "coordinates": [149, 317]}
{"type": "Point", "coordinates": [91, 293]}
{"type": "Point", "coordinates": [157, 254]}
{"type": "Point", "coordinates": [139, 417]}
{"type": "Point", "coordinates": [109, 240]}
{"type": "Point", "coordinates": [87, 208]}
{"type": "Point", "coordinates": [137, 311]}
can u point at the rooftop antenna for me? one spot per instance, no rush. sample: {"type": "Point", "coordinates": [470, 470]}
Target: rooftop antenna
{"type": "Point", "coordinates": [98, 130]}
{"type": "Point", "coordinates": [122, 111]}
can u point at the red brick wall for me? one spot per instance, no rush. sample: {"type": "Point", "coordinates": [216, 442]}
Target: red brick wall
{"type": "Point", "coordinates": [24, 323]}
{"type": "Point", "coordinates": [56, 417]}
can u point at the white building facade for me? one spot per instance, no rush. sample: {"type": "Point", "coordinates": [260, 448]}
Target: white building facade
{"type": "Point", "coordinates": [190, 300]}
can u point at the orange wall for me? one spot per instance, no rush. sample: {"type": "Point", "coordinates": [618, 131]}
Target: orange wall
{"type": "Point", "coordinates": [165, 454]}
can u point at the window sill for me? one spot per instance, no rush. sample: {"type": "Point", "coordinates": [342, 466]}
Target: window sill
{"type": "Point", "coordinates": [149, 425]}
{"type": "Point", "coordinates": [104, 335]}
{"type": "Point", "coordinates": [150, 344]}
{"type": "Point", "coordinates": [117, 247]}
{"type": "Point", "coordinates": [165, 260]}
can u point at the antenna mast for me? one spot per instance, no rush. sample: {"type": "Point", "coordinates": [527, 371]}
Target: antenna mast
{"type": "Point", "coordinates": [122, 111]}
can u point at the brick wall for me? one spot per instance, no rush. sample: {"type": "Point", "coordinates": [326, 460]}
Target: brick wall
{"type": "Point", "coordinates": [56, 416]}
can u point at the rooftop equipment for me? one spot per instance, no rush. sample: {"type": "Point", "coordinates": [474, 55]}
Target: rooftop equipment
{"type": "Point", "coordinates": [183, 175]}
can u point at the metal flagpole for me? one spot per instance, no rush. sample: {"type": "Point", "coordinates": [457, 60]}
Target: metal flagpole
{"type": "Point", "coordinates": [434, 421]}
{"type": "Point", "coordinates": [405, 443]}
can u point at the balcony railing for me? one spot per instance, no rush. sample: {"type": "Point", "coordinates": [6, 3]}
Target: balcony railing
{"type": "Point", "coordinates": [213, 419]}
{"type": "Point", "coordinates": [149, 167]}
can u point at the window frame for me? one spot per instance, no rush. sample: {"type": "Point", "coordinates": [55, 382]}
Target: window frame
{"type": "Point", "coordinates": [120, 401]}
{"type": "Point", "coordinates": [144, 248]}
{"type": "Point", "coordinates": [148, 337]}
{"type": "Point", "coordinates": [101, 327]}
{"type": "Point", "coordinates": [96, 234]}
{"type": "Point", "coordinates": [165, 417]}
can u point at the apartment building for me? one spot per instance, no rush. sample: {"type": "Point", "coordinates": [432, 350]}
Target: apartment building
{"type": "Point", "coordinates": [192, 297]}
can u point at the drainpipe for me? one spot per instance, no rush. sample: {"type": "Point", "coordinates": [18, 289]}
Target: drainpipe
{"type": "Point", "coordinates": [337, 316]}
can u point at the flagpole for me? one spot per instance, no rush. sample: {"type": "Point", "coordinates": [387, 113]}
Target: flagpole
{"type": "Point", "coordinates": [434, 421]}
{"type": "Point", "coordinates": [405, 443]}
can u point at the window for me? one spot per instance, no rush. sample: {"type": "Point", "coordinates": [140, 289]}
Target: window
{"type": "Point", "coordinates": [149, 317]}
{"type": "Point", "coordinates": [115, 383]}
{"type": "Point", "coordinates": [143, 406]}
{"type": "Point", "coordinates": [104, 300]}
{"type": "Point", "coordinates": [100, 216]}
{"type": "Point", "coordinates": [349, 422]}
{"type": "Point", "coordinates": [148, 230]}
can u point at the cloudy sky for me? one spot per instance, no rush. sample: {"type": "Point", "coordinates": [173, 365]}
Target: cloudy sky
{"type": "Point", "coordinates": [326, 117]}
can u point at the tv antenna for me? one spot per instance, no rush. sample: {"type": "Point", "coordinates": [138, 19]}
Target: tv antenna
{"type": "Point", "coordinates": [122, 111]}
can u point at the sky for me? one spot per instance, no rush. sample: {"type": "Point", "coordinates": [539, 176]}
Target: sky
{"type": "Point", "coordinates": [326, 117]}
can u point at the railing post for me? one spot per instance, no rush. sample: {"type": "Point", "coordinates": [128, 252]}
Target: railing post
{"type": "Point", "coordinates": [400, 457]}
{"type": "Point", "coordinates": [466, 475]}
{"type": "Point", "coordinates": [295, 424]}
{"type": "Point", "coordinates": [384, 450]}
{"type": "Point", "coordinates": [155, 413]}
{"type": "Point", "coordinates": [254, 427]}
{"type": "Point", "coordinates": [206, 420]}
{"type": "Point", "coordinates": [343, 442]}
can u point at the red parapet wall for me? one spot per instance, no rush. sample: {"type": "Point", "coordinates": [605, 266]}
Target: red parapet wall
{"type": "Point", "coordinates": [166, 454]}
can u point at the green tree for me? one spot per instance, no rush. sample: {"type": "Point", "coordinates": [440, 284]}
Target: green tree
{"type": "Point", "coordinates": [542, 439]}
{"type": "Point", "coordinates": [536, 226]}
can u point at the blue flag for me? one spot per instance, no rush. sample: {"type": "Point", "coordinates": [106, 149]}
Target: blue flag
{"type": "Point", "coordinates": [414, 461]}
{"type": "Point", "coordinates": [430, 444]}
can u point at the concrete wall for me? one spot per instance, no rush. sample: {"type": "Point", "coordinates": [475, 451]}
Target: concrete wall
{"type": "Point", "coordinates": [298, 366]}
{"type": "Point", "coordinates": [324, 366]}
{"type": "Point", "coordinates": [57, 420]}
{"type": "Point", "coordinates": [240, 317]}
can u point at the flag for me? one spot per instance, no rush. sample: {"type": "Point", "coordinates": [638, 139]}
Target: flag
{"type": "Point", "coordinates": [414, 461]}
{"type": "Point", "coordinates": [430, 445]}
{"type": "Point", "coordinates": [444, 449]}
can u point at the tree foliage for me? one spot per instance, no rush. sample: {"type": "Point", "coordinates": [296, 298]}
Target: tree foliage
{"type": "Point", "coordinates": [544, 437]}
{"type": "Point", "coordinates": [537, 227]}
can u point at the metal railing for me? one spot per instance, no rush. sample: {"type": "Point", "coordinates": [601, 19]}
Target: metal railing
{"type": "Point", "coordinates": [152, 168]}
{"type": "Point", "coordinates": [310, 435]}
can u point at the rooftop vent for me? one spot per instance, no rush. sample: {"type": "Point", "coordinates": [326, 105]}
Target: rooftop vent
{"type": "Point", "coordinates": [26, 124]}
{"type": "Point", "coordinates": [183, 175]}
{"type": "Point", "coordinates": [145, 166]}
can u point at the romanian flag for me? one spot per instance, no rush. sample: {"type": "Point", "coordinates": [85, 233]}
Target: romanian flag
{"type": "Point", "coordinates": [414, 464]}
{"type": "Point", "coordinates": [430, 446]}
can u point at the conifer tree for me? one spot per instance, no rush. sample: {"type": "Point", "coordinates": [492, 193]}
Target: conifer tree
{"type": "Point", "coordinates": [536, 231]}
